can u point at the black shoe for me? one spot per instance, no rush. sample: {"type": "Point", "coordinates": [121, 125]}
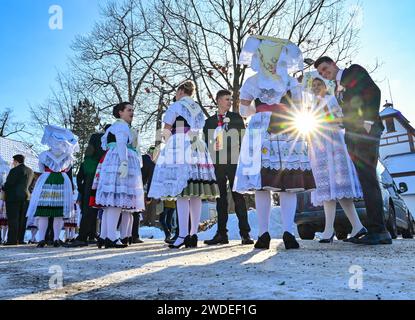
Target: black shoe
{"type": "Point", "coordinates": [33, 242]}
{"type": "Point", "coordinates": [358, 235]}
{"type": "Point", "coordinates": [10, 243]}
{"type": "Point", "coordinates": [217, 239]}
{"type": "Point", "coordinates": [117, 244]}
{"type": "Point", "coordinates": [172, 240]}
{"type": "Point", "coordinates": [192, 242]}
{"type": "Point", "coordinates": [184, 243]}
{"type": "Point", "coordinates": [263, 241]}
{"type": "Point", "coordinates": [41, 244]}
{"type": "Point", "coordinates": [246, 240]}
{"type": "Point", "coordinates": [372, 239]}
{"type": "Point", "coordinates": [328, 240]}
{"type": "Point", "coordinates": [101, 243]}
{"type": "Point", "coordinates": [107, 243]}
{"type": "Point", "coordinates": [125, 241]}
{"type": "Point", "coordinates": [136, 240]}
{"type": "Point", "coordinates": [76, 244]}
{"type": "Point", "coordinates": [57, 243]}
{"type": "Point", "coordinates": [290, 242]}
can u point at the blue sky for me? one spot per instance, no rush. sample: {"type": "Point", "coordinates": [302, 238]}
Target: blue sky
{"type": "Point", "coordinates": [31, 53]}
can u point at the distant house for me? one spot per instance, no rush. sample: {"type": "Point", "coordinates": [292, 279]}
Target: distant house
{"type": "Point", "coordinates": [9, 148]}
{"type": "Point", "coordinates": [397, 150]}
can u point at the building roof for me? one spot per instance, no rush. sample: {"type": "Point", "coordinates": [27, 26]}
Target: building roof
{"type": "Point", "coordinates": [400, 163]}
{"type": "Point", "coordinates": [390, 111]}
{"type": "Point", "coordinates": [9, 148]}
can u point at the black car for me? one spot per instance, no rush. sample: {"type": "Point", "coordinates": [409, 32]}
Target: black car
{"type": "Point", "coordinates": [310, 219]}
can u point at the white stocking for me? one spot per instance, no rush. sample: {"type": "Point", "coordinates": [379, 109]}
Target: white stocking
{"type": "Point", "coordinates": [4, 230]}
{"type": "Point", "coordinates": [330, 214]}
{"type": "Point", "coordinates": [103, 230]}
{"type": "Point", "coordinates": [183, 212]}
{"type": "Point", "coordinates": [113, 215]}
{"type": "Point", "coordinates": [288, 202]}
{"type": "Point", "coordinates": [33, 231]}
{"type": "Point", "coordinates": [350, 210]}
{"type": "Point", "coordinates": [125, 226]}
{"type": "Point", "coordinates": [57, 227]}
{"type": "Point", "coordinates": [263, 207]}
{"type": "Point", "coordinates": [195, 213]}
{"type": "Point", "coordinates": [43, 226]}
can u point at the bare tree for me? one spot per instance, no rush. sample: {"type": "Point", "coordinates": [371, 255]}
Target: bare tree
{"type": "Point", "coordinates": [8, 127]}
{"type": "Point", "coordinates": [209, 35]}
{"type": "Point", "coordinates": [117, 56]}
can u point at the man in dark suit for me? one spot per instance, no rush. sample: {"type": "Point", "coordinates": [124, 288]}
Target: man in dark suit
{"type": "Point", "coordinates": [17, 196]}
{"type": "Point", "coordinates": [223, 135]}
{"type": "Point", "coordinates": [360, 97]}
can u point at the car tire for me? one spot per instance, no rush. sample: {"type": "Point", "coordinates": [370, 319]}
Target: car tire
{"type": "Point", "coordinates": [408, 233]}
{"type": "Point", "coordinates": [306, 231]}
{"type": "Point", "coordinates": [391, 224]}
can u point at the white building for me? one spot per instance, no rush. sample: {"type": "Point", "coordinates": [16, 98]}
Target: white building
{"type": "Point", "coordinates": [397, 151]}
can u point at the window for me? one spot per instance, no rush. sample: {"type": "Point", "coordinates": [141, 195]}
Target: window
{"type": "Point", "coordinates": [390, 125]}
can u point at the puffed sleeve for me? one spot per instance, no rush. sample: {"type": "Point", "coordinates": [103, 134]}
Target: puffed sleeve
{"type": "Point", "coordinates": [296, 90]}
{"type": "Point", "coordinates": [246, 92]}
{"type": "Point", "coordinates": [122, 133]}
{"type": "Point", "coordinates": [171, 114]}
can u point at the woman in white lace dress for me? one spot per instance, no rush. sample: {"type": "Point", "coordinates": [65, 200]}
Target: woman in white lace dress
{"type": "Point", "coordinates": [52, 196]}
{"type": "Point", "coordinates": [118, 179]}
{"type": "Point", "coordinates": [334, 172]}
{"type": "Point", "coordinates": [184, 169]}
{"type": "Point", "coordinates": [273, 155]}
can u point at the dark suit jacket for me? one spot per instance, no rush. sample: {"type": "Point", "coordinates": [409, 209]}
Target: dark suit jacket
{"type": "Point", "coordinates": [17, 183]}
{"type": "Point", "coordinates": [361, 101]}
{"type": "Point", "coordinates": [232, 138]}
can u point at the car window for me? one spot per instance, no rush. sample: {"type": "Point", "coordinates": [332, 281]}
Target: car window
{"type": "Point", "coordinates": [383, 174]}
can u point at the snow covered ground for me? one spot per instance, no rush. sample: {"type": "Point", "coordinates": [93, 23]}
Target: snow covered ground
{"type": "Point", "coordinates": [152, 271]}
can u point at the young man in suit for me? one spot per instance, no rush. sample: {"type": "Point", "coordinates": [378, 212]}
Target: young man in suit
{"type": "Point", "coordinates": [17, 196]}
{"type": "Point", "coordinates": [223, 135]}
{"type": "Point", "coordinates": [359, 97]}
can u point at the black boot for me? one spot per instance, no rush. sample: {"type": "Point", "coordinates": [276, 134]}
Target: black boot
{"type": "Point", "coordinates": [263, 241]}
{"type": "Point", "coordinates": [192, 242]}
{"type": "Point", "coordinates": [100, 243]}
{"type": "Point", "coordinates": [217, 239]}
{"type": "Point", "coordinates": [246, 239]}
{"type": "Point", "coordinates": [290, 242]}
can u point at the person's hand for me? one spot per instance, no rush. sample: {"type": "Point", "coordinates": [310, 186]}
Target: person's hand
{"type": "Point", "coordinates": [123, 170]}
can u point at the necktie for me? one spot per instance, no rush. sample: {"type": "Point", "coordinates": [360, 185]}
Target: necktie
{"type": "Point", "coordinates": [220, 122]}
